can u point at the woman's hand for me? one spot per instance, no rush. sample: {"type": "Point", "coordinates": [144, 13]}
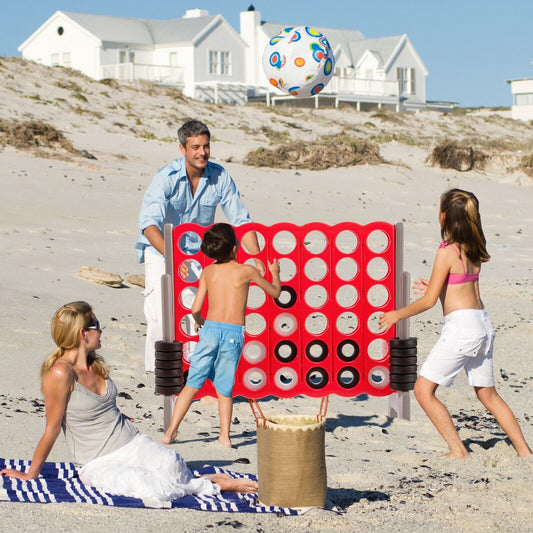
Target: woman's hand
{"type": "Point", "coordinates": [17, 474]}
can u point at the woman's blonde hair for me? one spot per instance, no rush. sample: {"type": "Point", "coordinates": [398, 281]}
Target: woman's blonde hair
{"type": "Point", "coordinates": [67, 322]}
{"type": "Point", "coordinates": [461, 224]}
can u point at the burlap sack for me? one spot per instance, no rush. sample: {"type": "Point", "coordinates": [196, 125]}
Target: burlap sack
{"type": "Point", "coordinates": [291, 461]}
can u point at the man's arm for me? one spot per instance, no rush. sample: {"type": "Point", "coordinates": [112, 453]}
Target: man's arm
{"type": "Point", "coordinates": [154, 235]}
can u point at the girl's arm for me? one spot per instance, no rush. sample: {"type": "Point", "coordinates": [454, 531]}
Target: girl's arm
{"type": "Point", "coordinates": [196, 309]}
{"type": "Point", "coordinates": [57, 385]}
{"type": "Point", "coordinates": [441, 269]}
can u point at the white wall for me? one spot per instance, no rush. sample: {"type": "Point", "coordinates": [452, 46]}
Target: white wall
{"type": "Point", "coordinates": [406, 58]}
{"type": "Point", "coordinates": [223, 40]}
{"type": "Point", "coordinates": [83, 48]}
{"type": "Point", "coordinates": [522, 91]}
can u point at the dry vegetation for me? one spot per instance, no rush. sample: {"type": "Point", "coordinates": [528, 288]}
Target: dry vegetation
{"type": "Point", "coordinates": [326, 152]}
{"type": "Point", "coordinates": [41, 107]}
{"type": "Point", "coordinates": [36, 136]}
{"type": "Point", "coordinates": [451, 155]}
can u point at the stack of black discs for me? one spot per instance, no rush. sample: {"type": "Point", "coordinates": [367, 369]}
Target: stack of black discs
{"type": "Point", "coordinates": [402, 363]}
{"type": "Point", "coordinates": [168, 367]}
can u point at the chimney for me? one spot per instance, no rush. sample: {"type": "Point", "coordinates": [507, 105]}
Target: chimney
{"type": "Point", "coordinates": [195, 13]}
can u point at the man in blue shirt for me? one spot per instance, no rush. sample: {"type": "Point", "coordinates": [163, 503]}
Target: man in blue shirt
{"type": "Point", "coordinates": [186, 190]}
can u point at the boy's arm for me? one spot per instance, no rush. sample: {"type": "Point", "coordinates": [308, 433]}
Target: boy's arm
{"type": "Point", "coordinates": [196, 309]}
{"type": "Point", "coordinates": [273, 289]}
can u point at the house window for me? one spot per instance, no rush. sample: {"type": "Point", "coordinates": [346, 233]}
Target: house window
{"type": "Point", "coordinates": [173, 59]}
{"type": "Point", "coordinates": [67, 62]}
{"type": "Point", "coordinates": [60, 30]}
{"type": "Point", "coordinates": [406, 80]}
{"type": "Point", "coordinates": [219, 62]}
{"type": "Point", "coordinates": [126, 56]}
{"type": "Point", "coordinates": [523, 99]}
{"type": "Point", "coordinates": [55, 60]}
{"type": "Point", "coordinates": [213, 62]}
{"type": "Point", "coordinates": [225, 66]}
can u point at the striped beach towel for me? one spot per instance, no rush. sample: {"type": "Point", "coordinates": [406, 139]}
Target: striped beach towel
{"type": "Point", "coordinates": [59, 483]}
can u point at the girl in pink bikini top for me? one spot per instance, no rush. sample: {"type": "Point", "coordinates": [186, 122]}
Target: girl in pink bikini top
{"type": "Point", "coordinates": [457, 279]}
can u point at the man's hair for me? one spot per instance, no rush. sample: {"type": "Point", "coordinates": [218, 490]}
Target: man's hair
{"type": "Point", "coordinates": [192, 128]}
{"type": "Point", "coordinates": [219, 241]}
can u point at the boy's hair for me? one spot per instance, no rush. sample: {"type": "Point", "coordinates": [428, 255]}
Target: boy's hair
{"type": "Point", "coordinates": [192, 128]}
{"type": "Point", "coordinates": [462, 224]}
{"type": "Point", "coordinates": [219, 241]}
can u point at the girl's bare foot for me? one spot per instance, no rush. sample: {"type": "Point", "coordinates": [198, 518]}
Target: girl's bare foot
{"type": "Point", "coordinates": [227, 483]}
{"type": "Point", "coordinates": [457, 455]}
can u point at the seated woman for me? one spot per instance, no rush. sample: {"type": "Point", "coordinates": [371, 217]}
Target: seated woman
{"type": "Point", "coordinates": [80, 398]}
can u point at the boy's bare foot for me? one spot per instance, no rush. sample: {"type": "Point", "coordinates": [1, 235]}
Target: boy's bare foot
{"type": "Point", "coordinates": [225, 441]}
{"type": "Point", "coordinates": [227, 483]}
{"type": "Point", "coordinates": [168, 439]}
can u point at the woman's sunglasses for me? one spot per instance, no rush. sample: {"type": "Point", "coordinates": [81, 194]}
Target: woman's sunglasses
{"type": "Point", "coordinates": [95, 326]}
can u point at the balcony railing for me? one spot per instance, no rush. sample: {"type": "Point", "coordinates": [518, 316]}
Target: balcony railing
{"type": "Point", "coordinates": [359, 86]}
{"type": "Point", "coordinates": [138, 71]}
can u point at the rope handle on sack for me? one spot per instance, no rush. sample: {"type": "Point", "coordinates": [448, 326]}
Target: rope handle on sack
{"type": "Point", "coordinates": [323, 409]}
{"type": "Point", "coordinates": [319, 417]}
{"type": "Point", "coordinates": [254, 405]}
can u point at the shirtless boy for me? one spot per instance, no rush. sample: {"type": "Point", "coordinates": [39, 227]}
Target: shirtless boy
{"type": "Point", "coordinates": [218, 351]}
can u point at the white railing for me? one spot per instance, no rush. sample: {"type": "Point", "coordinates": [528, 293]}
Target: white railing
{"type": "Point", "coordinates": [221, 92]}
{"type": "Point", "coordinates": [137, 71]}
{"type": "Point", "coordinates": [359, 86]}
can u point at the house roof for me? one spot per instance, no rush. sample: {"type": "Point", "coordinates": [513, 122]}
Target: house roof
{"type": "Point", "coordinates": [142, 31]}
{"type": "Point", "coordinates": [334, 36]}
{"type": "Point", "coordinates": [381, 47]}
{"type": "Point", "coordinates": [352, 43]}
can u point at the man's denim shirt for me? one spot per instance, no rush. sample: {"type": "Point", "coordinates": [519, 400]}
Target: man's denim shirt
{"type": "Point", "coordinates": [169, 200]}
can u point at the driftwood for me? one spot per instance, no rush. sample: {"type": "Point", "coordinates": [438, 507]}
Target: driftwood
{"type": "Point", "coordinates": [98, 276]}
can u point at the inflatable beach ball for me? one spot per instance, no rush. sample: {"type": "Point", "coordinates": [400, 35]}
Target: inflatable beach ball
{"type": "Point", "coordinates": [299, 61]}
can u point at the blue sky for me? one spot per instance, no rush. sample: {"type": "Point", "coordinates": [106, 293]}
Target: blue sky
{"type": "Point", "coordinates": [470, 47]}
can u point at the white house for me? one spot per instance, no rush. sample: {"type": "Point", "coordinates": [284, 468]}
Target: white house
{"type": "Point", "coordinates": [522, 91]}
{"type": "Point", "coordinates": [198, 52]}
{"type": "Point", "coordinates": [385, 70]}
{"type": "Point", "coordinates": [209, 60]}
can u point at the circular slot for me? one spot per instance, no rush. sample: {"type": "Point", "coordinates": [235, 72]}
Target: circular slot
{"type": "Point", "coordinates": [316, 351]}
{"type": "Point", "coordinates": [255, 324]}
{"type": "Point", "coordinates": [346, 242]}
{"type": "Point", "coordinates": [378, 241]}
{"type": "Point", "coordinates": [286, 378]}
{"type": "Point", "coordinates": [378, 349]}
{"type": "Point", "coordinates": [287, 297]}
{"type": "Point", "coordinates": [347, 377]}
{"type": "Point", "coordinates": [285, 324]}
{"type": "Point", "coordinates": [316, 269]}
{"type": "Point", "coordinates": [316, 296]}
{"type": "Point", "coordinates": [346, 296]}
{"type": "Point", "coordinates": [317, 378]}
{"type": "Point", "coordinates": [284, 242]}
{"type": "Point", "coordinates": [346, 269]}
{"type": "Point", "coordinates": [347, 350]}
{"type": "Point", "coordinates": [256, 297]}
{"type": "Point", "coordinates": [315, 242]}
{"type": "Point", "coordinates": [190, 243]}
{"type": "Point", "coordinates": [254, 379]}
{"type": "Point", "coordinates": [285, 351]}
{"type": "Point", "coordinates": [254, 352]}
{"type": "Point", "coordinates": [378, 377]}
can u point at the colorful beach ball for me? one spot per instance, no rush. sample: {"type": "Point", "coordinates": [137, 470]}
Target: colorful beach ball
{"type": "Point", "coordinates": [299, 61]}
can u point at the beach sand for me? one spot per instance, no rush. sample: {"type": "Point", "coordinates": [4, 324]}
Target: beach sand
{"type": "Point", "coordinates": [64, 211]}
